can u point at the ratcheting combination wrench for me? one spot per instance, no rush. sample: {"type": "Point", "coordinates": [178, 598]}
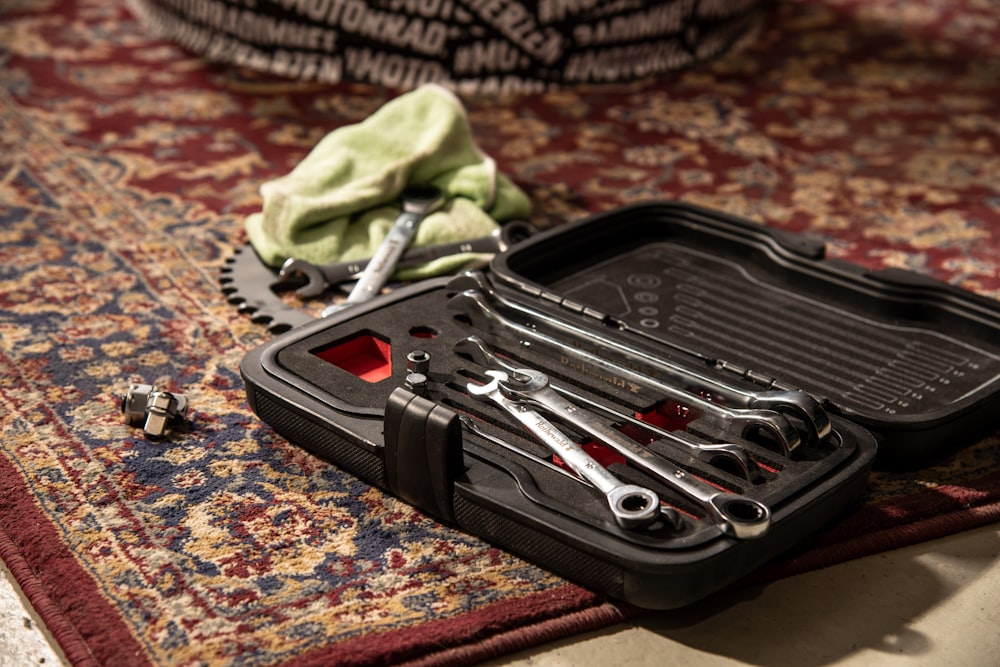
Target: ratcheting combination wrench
{"type": "Point", "coordinates": [477, 349]}
{"type": "Point", "coordinates": [672, 517]}
{"type": "Point", "coordinates": [633, 506]}
{"type": "Point", "coordinates": [419, 201]}
{"type": "Point", "coordinates": [798, 405]}
{"type": "Point", "coordinates": [321, 277]}
{"type": "Point", "coordinates": [722, 422]}
{"type": "Point", "coordinates": [736, 515]}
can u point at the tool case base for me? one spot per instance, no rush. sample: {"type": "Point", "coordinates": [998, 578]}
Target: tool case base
{"type": "Point", "coordinates": [600, 307]}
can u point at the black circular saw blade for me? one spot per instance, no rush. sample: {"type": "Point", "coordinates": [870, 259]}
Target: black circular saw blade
{"type": "Point", "coordinates": [252, 286]}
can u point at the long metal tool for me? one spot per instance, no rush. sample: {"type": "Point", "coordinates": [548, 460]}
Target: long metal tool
{"type": "Point", "coordinates": [673, 517]}
{"type": "Point", "coordinates": [321, 277]}
{"type": "Point", "coordinates": [737, 515]}
{"type": "Point", "coordinates": [418, 202]}
{"type": "Point", "coordinates": [721, 421]}
{"type": "Point", "coordinates": [479, 351]}
{"type": "Point", "coordinates": [797, 405]}
{"type": "Point", "coordinates": [631, 505]}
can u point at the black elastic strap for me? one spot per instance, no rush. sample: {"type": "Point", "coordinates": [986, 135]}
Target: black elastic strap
{"type": "Point", "coordinates": [423, 452]}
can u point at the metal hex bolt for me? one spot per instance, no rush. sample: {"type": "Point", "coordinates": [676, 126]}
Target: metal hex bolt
{"type": "Point", "coordinates": [417, 383]}
{"type": "Point", "coordinates": [418, 361]}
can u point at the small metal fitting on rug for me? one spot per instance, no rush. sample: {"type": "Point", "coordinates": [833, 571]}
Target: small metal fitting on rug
{"type": "Point", "coordinates": [156, 410]}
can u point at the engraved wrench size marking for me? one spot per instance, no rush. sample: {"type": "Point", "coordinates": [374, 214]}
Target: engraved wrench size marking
{"type": "Point", "coordinates": [633, 506]}
{"type": "Point", "coordinates": [737, 515]}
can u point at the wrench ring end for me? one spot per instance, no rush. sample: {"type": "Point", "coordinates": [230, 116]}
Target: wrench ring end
{"type": "Point", "coordinates": [745, 518]}
{"type": "Point", "coordinates": [634, 505]}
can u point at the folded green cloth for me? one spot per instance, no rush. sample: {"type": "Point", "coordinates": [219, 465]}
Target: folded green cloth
{"type": "Point", "coordinates": [340, 201]}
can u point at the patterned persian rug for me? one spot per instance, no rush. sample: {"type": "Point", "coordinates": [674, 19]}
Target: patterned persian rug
{"type": "Point", "coordinates": [127, 166]}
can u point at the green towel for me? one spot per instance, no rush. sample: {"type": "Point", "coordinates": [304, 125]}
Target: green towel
{"type": "Point", "coordinates": [340, 201]}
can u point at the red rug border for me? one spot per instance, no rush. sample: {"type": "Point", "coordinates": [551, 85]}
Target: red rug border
{"type": "Point", "coordinates": [87, 613]}
{"type": "Point", "coordinates": [575, 617]}
{"type": "Point", "coordinates": [94, 615]}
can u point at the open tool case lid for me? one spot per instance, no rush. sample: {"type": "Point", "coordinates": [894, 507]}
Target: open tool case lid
{"type": "Point", "coordinates": [913, 359]}
{"type": "Point", "coordinates": [733, 305]}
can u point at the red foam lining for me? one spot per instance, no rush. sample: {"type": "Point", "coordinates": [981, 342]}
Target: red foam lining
{"type": "Point", "coordinates": [364, 355]}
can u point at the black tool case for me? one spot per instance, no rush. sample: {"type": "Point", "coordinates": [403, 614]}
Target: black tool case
{"type": "Point", "coordinates": [736, 353]}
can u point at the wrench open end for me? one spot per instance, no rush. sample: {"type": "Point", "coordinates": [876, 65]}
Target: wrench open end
{"type": "Point", "coordinates": [315, 283]}
{"type": "Point", "coordinates": [470, 280]}
{"type": "Point", "coordinates": [766, 427]}
{"type": "Point", "coordinates": [474, 306]}
{"type": "Point", "coordinates": [479, 351]}
{"type": "Point", "coordinates": [476, 389]}
{"type": "Point", "coordinates": [799, 406]}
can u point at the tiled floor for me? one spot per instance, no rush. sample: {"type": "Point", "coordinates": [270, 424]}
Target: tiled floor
{"type": "Point", "coordinates": [936, 603]}
{"type": "Point", "coordinates": [22, 641]}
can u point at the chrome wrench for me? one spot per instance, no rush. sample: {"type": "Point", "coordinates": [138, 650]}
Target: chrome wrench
{"type": "Point", "coordinates": [477, 349]}
{"type": "Point", "coordinates": [725, 423]}
{"type": "Point", "coordinates": [631, 505]}
{"type": "Point", "coordinates": [321, 277]}
{"type": "Point", "coordinates": [737, 515]}
{"type": "Point", "coordinates": [418, 202]}
{"type": "Point", "coordinates": [796, 404]}
{"type": "Point", "coordinates": [671, 516]}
